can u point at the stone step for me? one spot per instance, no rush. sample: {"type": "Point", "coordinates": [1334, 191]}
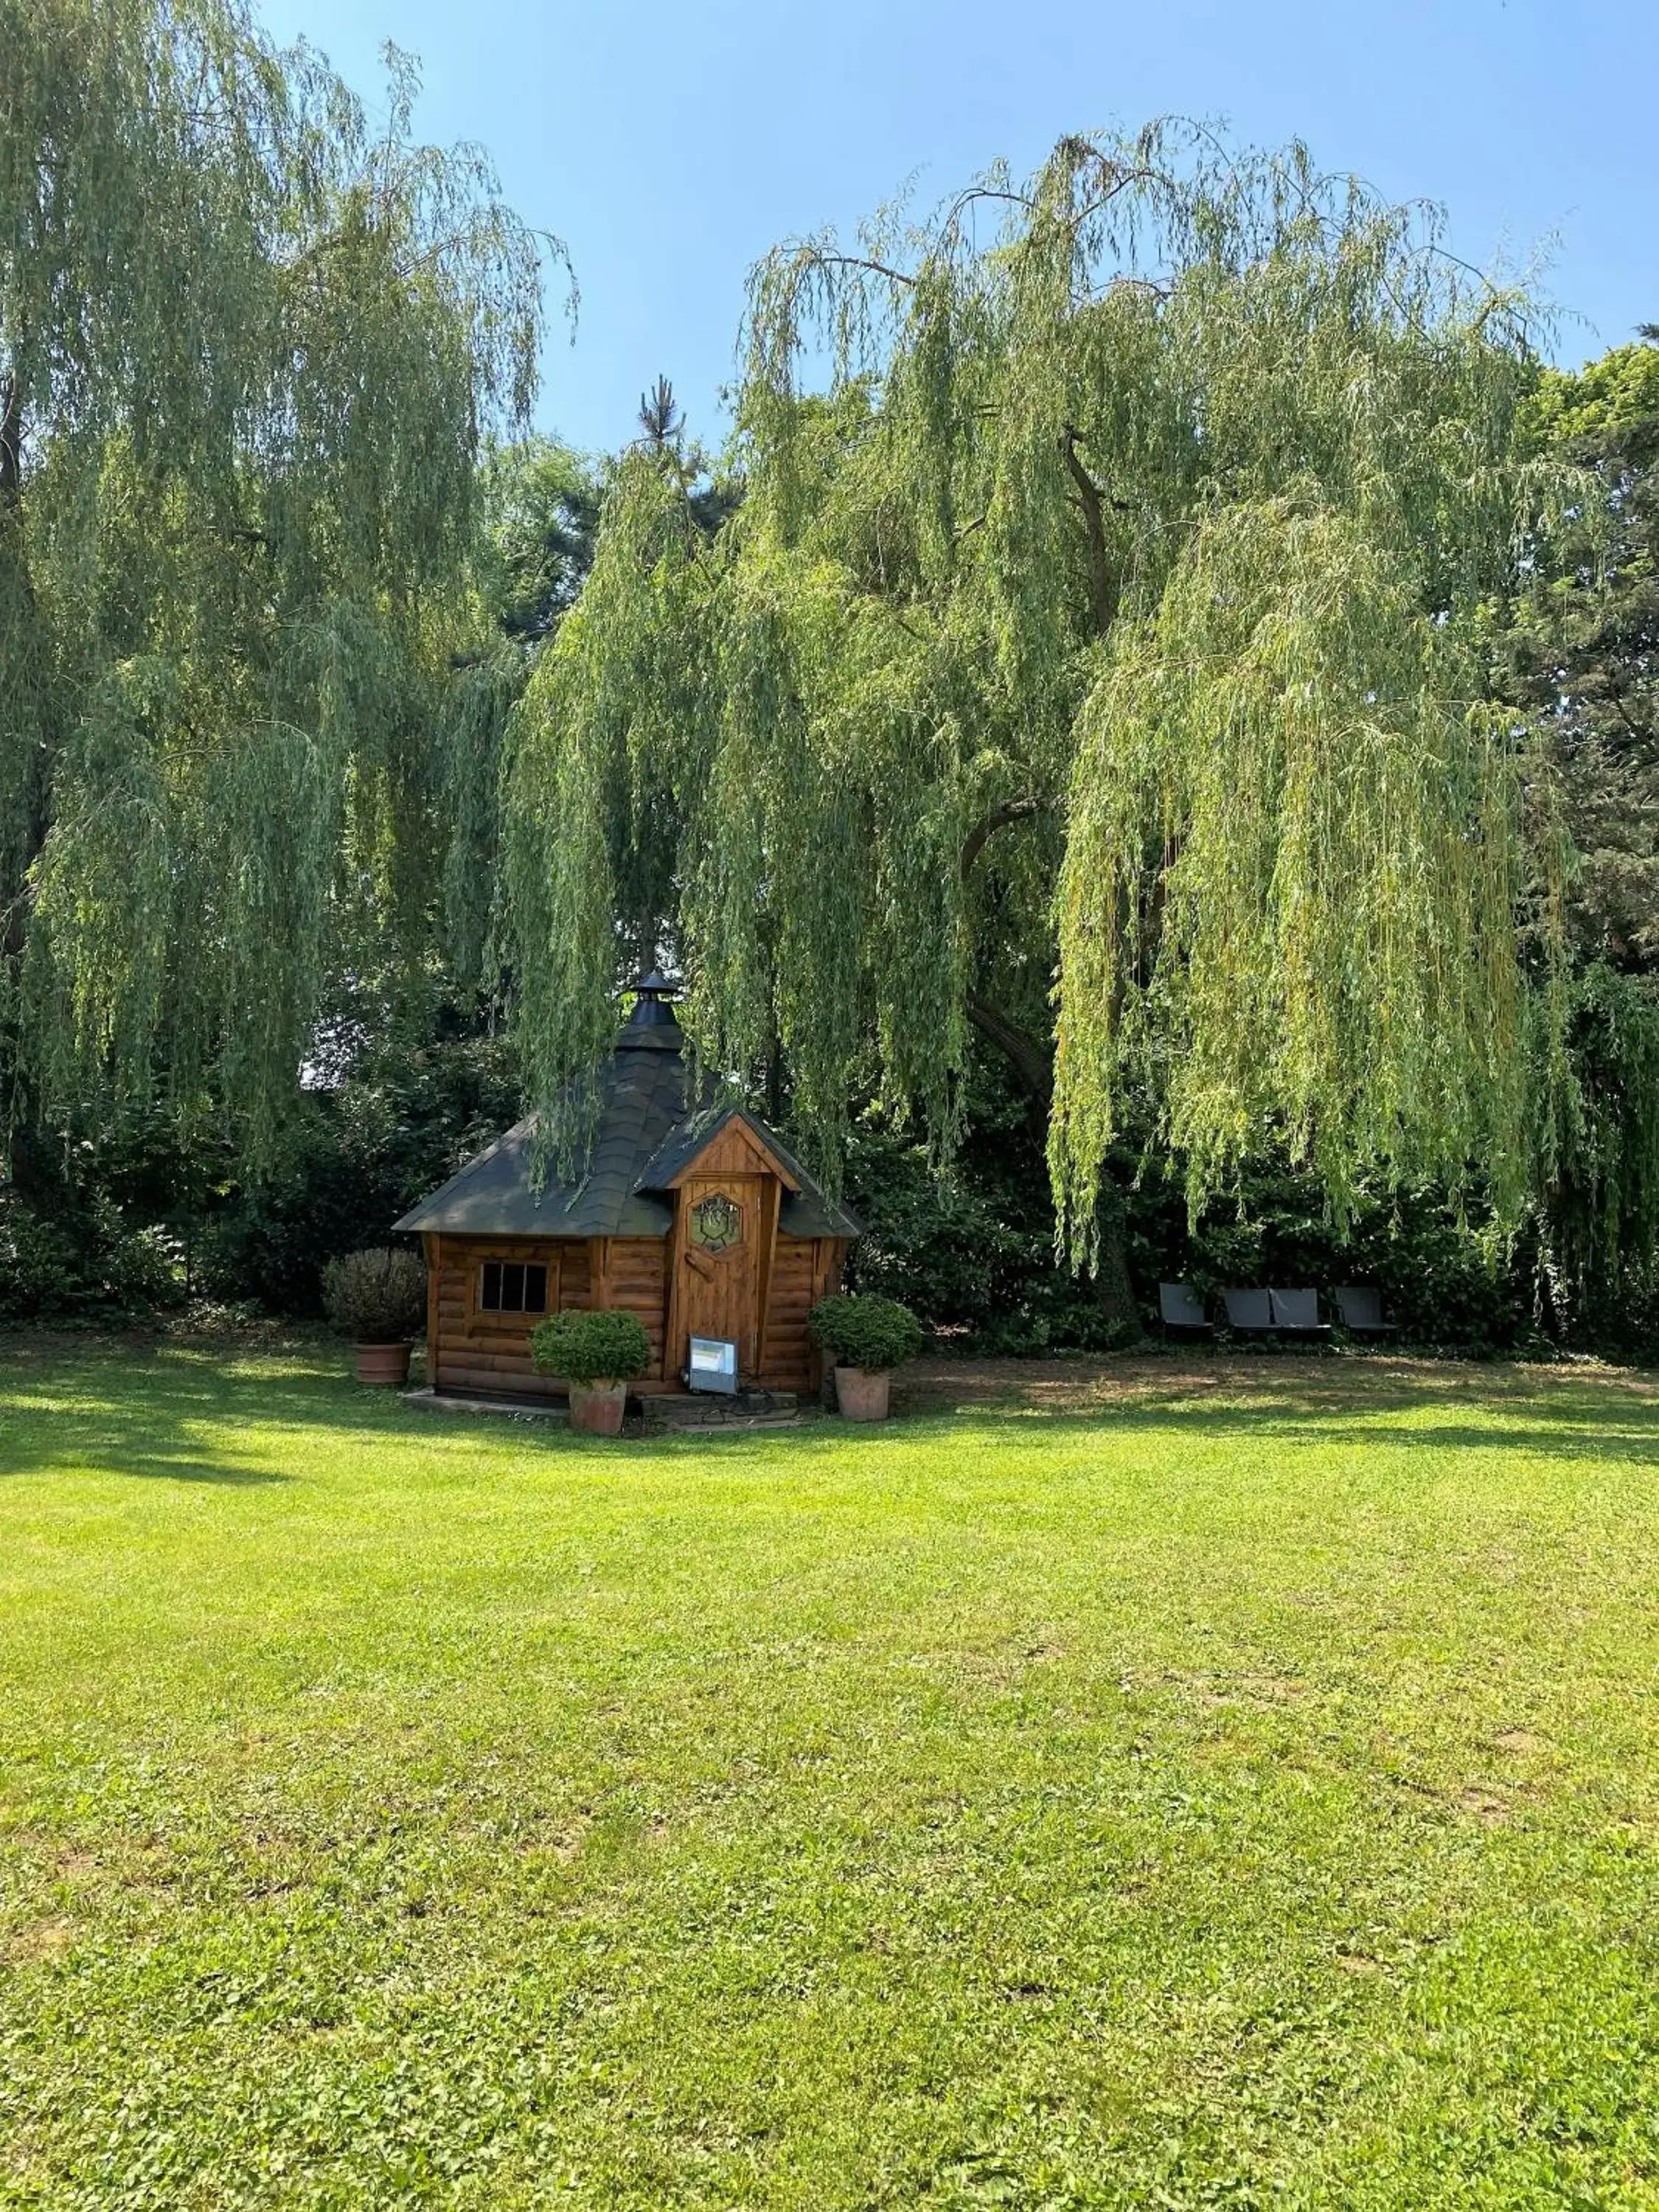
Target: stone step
{"type": "Point", "coordinates": [710, 1409]}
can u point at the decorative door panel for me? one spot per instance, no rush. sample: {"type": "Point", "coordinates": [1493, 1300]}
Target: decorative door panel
{"type": "Point", "coordinates": [721, 1232]}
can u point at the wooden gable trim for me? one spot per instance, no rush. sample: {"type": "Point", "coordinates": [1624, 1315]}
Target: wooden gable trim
{"type": "Point", "coordinates": [771, 1206]}
{"type": "Point", "coordinates": [735, 1148]}
{"type": "Point", "coordinates": [678, 1247]}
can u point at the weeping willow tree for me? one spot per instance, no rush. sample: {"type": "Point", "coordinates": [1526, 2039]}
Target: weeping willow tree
{"type": "Point", "coordinates": [1580, 661]}
{"type": "Point", "coordinates": [248, 350]}
{"type": "Point", "coordinates": [1093, 660]}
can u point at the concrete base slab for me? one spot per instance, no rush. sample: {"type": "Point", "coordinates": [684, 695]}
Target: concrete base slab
{"type": "Point", "coordinates": [745, 1409]}
{"type": "Point", "coordinates": [649, 1416]}
{"type": "Point", "coordinates": [427, 1401]}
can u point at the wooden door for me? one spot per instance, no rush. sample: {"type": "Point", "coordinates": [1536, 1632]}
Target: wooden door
{"type": "Point", "coordinates": [720, 1239]}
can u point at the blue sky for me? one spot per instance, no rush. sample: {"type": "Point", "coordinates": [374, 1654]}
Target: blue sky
{"type": "Point", "coordinates": [671, 147]}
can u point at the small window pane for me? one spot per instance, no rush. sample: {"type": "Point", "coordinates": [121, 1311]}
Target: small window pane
{"type": "Point", "coordinates": [511, 1287]}
{"type": "Point", "coordinates": [489, 1293]}
{"type": "Point", "coordinates": [717, 1224]}
{"type": "Point", "coordinates": [535, 1290]}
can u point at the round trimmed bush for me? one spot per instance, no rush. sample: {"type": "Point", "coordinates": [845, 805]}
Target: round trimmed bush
{"type": "Point", "coordinates": [591, 1347]}
{"type": "Point", "coordinates": [869, 1333]}
{"type": "Point", "coordinates": [377, 1296]}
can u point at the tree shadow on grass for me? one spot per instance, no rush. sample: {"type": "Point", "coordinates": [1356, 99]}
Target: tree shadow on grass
{"type": "Point", "coordinates": [1601, 1440]}
{"type": "Point", "coordinates": [158, 1413]}
{"type": "Point", "coordinates": [1388, 1404]}
{"type": "Point", "coordinates": [1588, 1431]}
{"type": "Point", "coordinates": [167, 1412]}
{"type": "Point", "coordinates": [1607, 1429]}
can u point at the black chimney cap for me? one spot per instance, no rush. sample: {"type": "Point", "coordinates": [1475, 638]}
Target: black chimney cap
{"type": "Point", "coordinates": [654, 1011]}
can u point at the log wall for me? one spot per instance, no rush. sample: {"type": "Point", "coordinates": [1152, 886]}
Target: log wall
{"type": "Point", "coordinates": [488, 1354]}
{"type": "Point", "coordinates": [804, 1270]}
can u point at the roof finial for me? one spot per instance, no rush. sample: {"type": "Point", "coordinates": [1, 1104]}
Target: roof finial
{"type": "Point", "coordinates": [654, 997]}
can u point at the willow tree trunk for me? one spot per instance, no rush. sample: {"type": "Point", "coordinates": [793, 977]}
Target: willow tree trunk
{"type": "Point", "coordinates": [1115, 1287]}
{"type": "Point", "coordinates": [1114, 1284]}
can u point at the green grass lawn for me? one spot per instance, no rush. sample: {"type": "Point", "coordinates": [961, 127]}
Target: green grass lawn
{"type": "Point", "coordinates": [1244, 1798]}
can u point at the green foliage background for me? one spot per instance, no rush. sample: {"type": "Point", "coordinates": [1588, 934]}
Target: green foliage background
{"type": "Point", "coordinates": [1179, 699]}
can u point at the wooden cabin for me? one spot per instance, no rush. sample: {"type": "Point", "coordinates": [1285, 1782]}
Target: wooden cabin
{"type": "Point", "coordinates": [692, 1214]}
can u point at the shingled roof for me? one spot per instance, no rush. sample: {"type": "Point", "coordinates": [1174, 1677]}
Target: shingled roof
{"type": "Point", "coordinates": [647, 1131]}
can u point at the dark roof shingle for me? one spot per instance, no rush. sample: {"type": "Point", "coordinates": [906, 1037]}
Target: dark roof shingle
{"type": "Point", "coordinates": [645, 1137]}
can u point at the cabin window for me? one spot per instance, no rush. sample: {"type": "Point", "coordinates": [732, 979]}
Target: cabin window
{"type": "Point", "coordinates": [506, 1286]}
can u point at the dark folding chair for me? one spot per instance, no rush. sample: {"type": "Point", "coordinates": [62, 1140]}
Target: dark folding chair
{"type": "Point", "coordinates": [1249, 1309]}
{"type": "Point", "coordinates": [1180, 1306]}
{"type": "Point", "coordinates": [1359, 1308]}
{"type": "Point", "coordinates": [1297, 1312]}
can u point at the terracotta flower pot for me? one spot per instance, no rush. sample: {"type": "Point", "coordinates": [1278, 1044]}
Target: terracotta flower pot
{"type": "Point", "coordinates": [596, 1409]}
{"type": "Point", "coordinates": [385, 1364]}
{"type": "Point", "coordinates": [861, 1395]}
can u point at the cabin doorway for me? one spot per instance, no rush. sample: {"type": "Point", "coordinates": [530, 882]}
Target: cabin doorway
{"type": "Point", "coordinates": [726, 1229]}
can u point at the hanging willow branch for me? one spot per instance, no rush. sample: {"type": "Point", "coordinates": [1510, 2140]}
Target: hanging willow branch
{"type": "Point", "coordinates": [1290, 893]}
{"type": "Point", "coordinates": [247, 353]}
{"type": "Point", "coordinates": [1148, 533]}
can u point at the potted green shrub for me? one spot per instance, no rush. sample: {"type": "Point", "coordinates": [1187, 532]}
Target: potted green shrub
{"type": "Point", "coordinates": [378, 1298]}
{"type": "Point", "coordinates": [867, 1338]}
{"type": "Point", "coordinates": [597, 1355]}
